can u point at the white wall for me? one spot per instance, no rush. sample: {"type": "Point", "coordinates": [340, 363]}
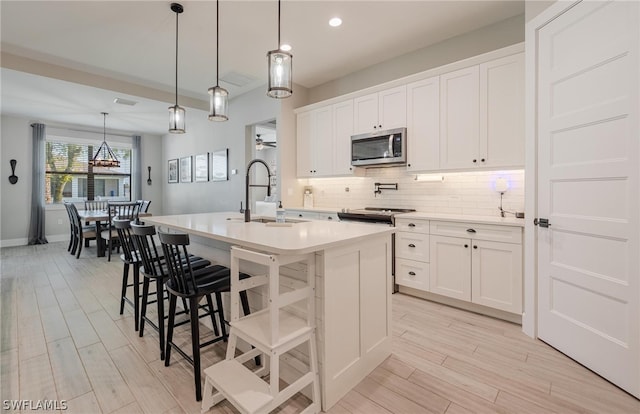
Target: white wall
{"type": "Point", "coordinates": [486, 39]}
{"type": "Point", "coordinates": [205, 136]}
{"type": "Point", "coordinates": [534, 8]}
{"type": "Point", "coordinates": [15, 200]}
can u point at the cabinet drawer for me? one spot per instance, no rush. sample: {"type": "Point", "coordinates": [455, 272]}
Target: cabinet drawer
{"type": "Point", "coordinates": [412, 274]}
{"type": "Point", "coordinates": [412, 225]}
{"type": "Point", "coordinates": [506, 234]}
{"type": "Point", "coordinates": [412, 246]}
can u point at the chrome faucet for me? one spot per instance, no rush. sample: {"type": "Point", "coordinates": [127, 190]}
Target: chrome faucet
{"type": "Point", "coordinates": [247, 212]}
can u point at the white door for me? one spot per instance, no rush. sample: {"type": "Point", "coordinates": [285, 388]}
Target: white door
{"type": "Point", "coordinates": [588, 153]}
{"type": "Point", "coordinates": [304, 133]}
{"type": "Point", "coordinates": [322, 143]}
{"type": "Point", "coordinates": [459, 119]}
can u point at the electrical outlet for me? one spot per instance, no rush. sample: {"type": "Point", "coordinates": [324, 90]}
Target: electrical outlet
{"type": "Point", "coordinates": [59, 221]}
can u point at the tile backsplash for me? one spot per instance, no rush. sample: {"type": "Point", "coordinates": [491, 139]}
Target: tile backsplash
{"type": "Point", "coordinates": [466, 193]}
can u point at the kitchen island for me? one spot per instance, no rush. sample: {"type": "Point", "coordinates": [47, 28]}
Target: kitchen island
{"type": "Point", "coordinates": [353, 284]}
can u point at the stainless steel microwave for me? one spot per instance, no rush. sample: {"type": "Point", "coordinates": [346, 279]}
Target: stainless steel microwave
{"type": "Point", "coordinates": [379, 148]}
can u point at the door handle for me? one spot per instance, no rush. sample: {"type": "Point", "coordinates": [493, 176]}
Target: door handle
{"type": "Point", "coordinates": [412, 245]}
{"type": "Point", "coordinates": [542, 222]}
{"type": "Point", "coordinates": [412, 273]}
{"type": "Point", "coordinates": [411, 225]}
{"type": "Point", "coordinates": [471, 231]}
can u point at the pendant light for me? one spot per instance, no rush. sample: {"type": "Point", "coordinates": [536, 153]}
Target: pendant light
{"type": "Point", "coordinates": [176, 113]}
{"type": "Point", "coordinates": [218, 97]}
{"type": "Point", "coordinates": [280, 63]}
{"type": "Point", "coordinates": [104, 156]}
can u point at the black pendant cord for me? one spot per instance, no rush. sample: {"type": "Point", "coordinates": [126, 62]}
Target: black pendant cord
{"type": "Point", "coordinates": [278, 24]}
{"type": "Point", "coordinates": [217, 43]}
{"type": "Point", "coordinates": [104, 135]}
{"type": "Point", "coordinates": [177, 14]}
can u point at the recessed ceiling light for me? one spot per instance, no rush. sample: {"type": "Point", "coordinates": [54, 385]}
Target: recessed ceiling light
{"type": "Point", "coordinates": [335, 22]}
{"type": "Point", "coordinates": [285, 47]}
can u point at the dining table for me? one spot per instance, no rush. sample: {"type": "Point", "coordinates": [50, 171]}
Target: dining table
{"type": "Point", "coordinates": [98, 217]}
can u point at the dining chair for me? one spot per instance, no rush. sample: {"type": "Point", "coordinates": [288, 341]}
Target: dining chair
{"type": "Point", "coordinates": [93, 205]}
{"type": "Point", "coordinates": [154, 269]}
{"type": "Point", "coordinates": [126, 210]}
{"type": "Point", "coordinates": [194, 285]}
{"type": "Point", "coordinates": [144, 205]}
{"type": "Point", "coordinates": [78, 231]}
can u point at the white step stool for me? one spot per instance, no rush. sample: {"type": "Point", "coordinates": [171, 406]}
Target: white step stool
{"type": "Point", "coordinates": [273, 331]}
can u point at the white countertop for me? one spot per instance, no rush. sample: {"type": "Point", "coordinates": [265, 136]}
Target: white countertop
{"type": "Point", "coordinates": [504, 221]}
{"type": "Point", "coordinates": [299, 238]}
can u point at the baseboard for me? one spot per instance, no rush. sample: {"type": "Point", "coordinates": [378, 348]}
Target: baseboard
{"type": "Point", "coordinates": [24, 241]}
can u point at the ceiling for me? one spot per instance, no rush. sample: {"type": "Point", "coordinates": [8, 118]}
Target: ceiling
{"type": "Point", "coordinates": [133, 42]}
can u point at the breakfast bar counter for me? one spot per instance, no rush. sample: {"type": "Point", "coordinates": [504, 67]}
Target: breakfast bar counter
{"type": "Point", "coordinates": [353, 284]}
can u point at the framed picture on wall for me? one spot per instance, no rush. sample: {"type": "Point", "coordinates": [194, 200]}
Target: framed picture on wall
{"type": "Point", "coordinates": [219, 165]}
{"type": "Point", "coordinates": [185, 169]}
{"type": "Point", "coordinates": [173, 171]}
{"type": "Point", "coordinates": [201, 167]}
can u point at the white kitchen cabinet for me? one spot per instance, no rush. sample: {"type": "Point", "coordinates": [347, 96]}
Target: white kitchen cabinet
{"type": "Point", "coordinates": [482, 115]}
{"type": "Point", "coordinates": [342, 130]}
{"type": "Point", "coordinates": [423, 125]}
{"type": "Point", "coordinates": [412, 253]}
{"type": "Point", "coordinates": [496, 275]}
{"type": "Point", "coordinates": [450, 273]}
{"type": "Point", "coordinates": [315, 143]}
{"type": "Point", "coordinates": [502, 112]}
{"type": "Point", "coordinates": [460, 119]}
{"type": "Point", "coordinates": [380, 111]}
{"type": "Point", "coordinates": [477, 263]}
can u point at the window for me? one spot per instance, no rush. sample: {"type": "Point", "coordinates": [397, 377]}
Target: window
{"type": "Point", "coordinates": [69, 177]}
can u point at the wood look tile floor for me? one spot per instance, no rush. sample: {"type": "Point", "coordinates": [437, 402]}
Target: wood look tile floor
{"type": "Point", "coordinates": [62, 338]}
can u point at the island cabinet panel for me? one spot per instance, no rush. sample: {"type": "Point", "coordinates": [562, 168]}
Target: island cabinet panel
{"type": "Point", "coordinates": [356, 283]}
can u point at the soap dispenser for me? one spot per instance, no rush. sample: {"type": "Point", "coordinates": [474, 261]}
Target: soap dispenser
{"type": "Point", "coordinates": [280, 213]}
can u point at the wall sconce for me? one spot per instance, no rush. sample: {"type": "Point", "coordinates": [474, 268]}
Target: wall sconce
{"type": "Point", "coordinates": [149, 179]}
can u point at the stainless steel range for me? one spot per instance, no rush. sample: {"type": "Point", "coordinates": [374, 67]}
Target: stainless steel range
{"type": "Point", "coordinates": [372, 214]}
{"type": "Point", "coordinates": [385, 216]}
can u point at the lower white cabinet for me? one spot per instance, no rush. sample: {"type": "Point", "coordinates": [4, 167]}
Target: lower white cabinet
{"type": "Point", "coordinates": [477, 263]}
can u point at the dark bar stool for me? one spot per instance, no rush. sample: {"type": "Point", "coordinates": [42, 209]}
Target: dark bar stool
{"type": "Point", "coordinates": [154, 269]}
{"type": "Point", "coordinates": [185, 282]}
{"type": "Point", "coordinates": [123, 210]}
{"type": "Point", "coordinates": [129, 257]}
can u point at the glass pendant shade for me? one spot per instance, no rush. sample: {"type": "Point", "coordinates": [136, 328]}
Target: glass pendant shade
{"type": "Point", "coordinates": [280, 81]}
{"type": "Point", "coordinates": [104, 156]}
{"type": "Point", "coordinates": [218, 104]}
{"type": "Point", "coordinates": [176, 119]}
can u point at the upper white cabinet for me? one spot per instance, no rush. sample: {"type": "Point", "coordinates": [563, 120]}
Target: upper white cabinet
{"type": "Point", "coordinates": [482, 115]}
{"type": "Point", "coordinates": [315, 142]}
{"type": "Point", "coordinates": [502, 111]}
{"type": "Point", "coordinates": [380, 111]}
{"type": "Point", "coordinates": [342, 114]}
{"type": "Point", "coordinates": [460, 119]}
{"type": "Point", "coordinates": [324, 141]}
{"type": "Point", "coordinates": [423, 125]}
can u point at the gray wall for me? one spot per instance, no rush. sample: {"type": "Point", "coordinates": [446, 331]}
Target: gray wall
{"type": "Point", "coordinates": [486, 39]}
{"type": "Point", "coordinates": [15, 200]}
{"type": "Point", "coordinates": [205, 136]}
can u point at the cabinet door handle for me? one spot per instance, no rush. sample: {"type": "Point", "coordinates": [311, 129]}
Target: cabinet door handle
{"type": "Point", "coordinates": [482, 159]}
{"type": "Point", "coordinates": [475, 247]}
{"type": "Point", "coordinates": [330, 218]}
{"type": "Point", "coordinates": [475, 161]}
{"type": "Point", "coordinates": [471, 231]}
{"type": "Point", "coordinates": [411, 225]}
{"type": "Point", "coordinates": [466, 246]}
{"type": "Point", "coordinates": [412, 273]}
{"type": "Point", "coordinates": [379, 126]}
{"type": "Point", "coordinates": [412, 245]}
{"type": "Point", "coordinates": [299, 215]}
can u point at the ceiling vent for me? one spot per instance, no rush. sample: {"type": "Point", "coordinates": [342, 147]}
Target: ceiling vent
{"type": "Point", "coordinates": [122, 101]}
{"type": "Point", "coordinates": [237, 79]}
